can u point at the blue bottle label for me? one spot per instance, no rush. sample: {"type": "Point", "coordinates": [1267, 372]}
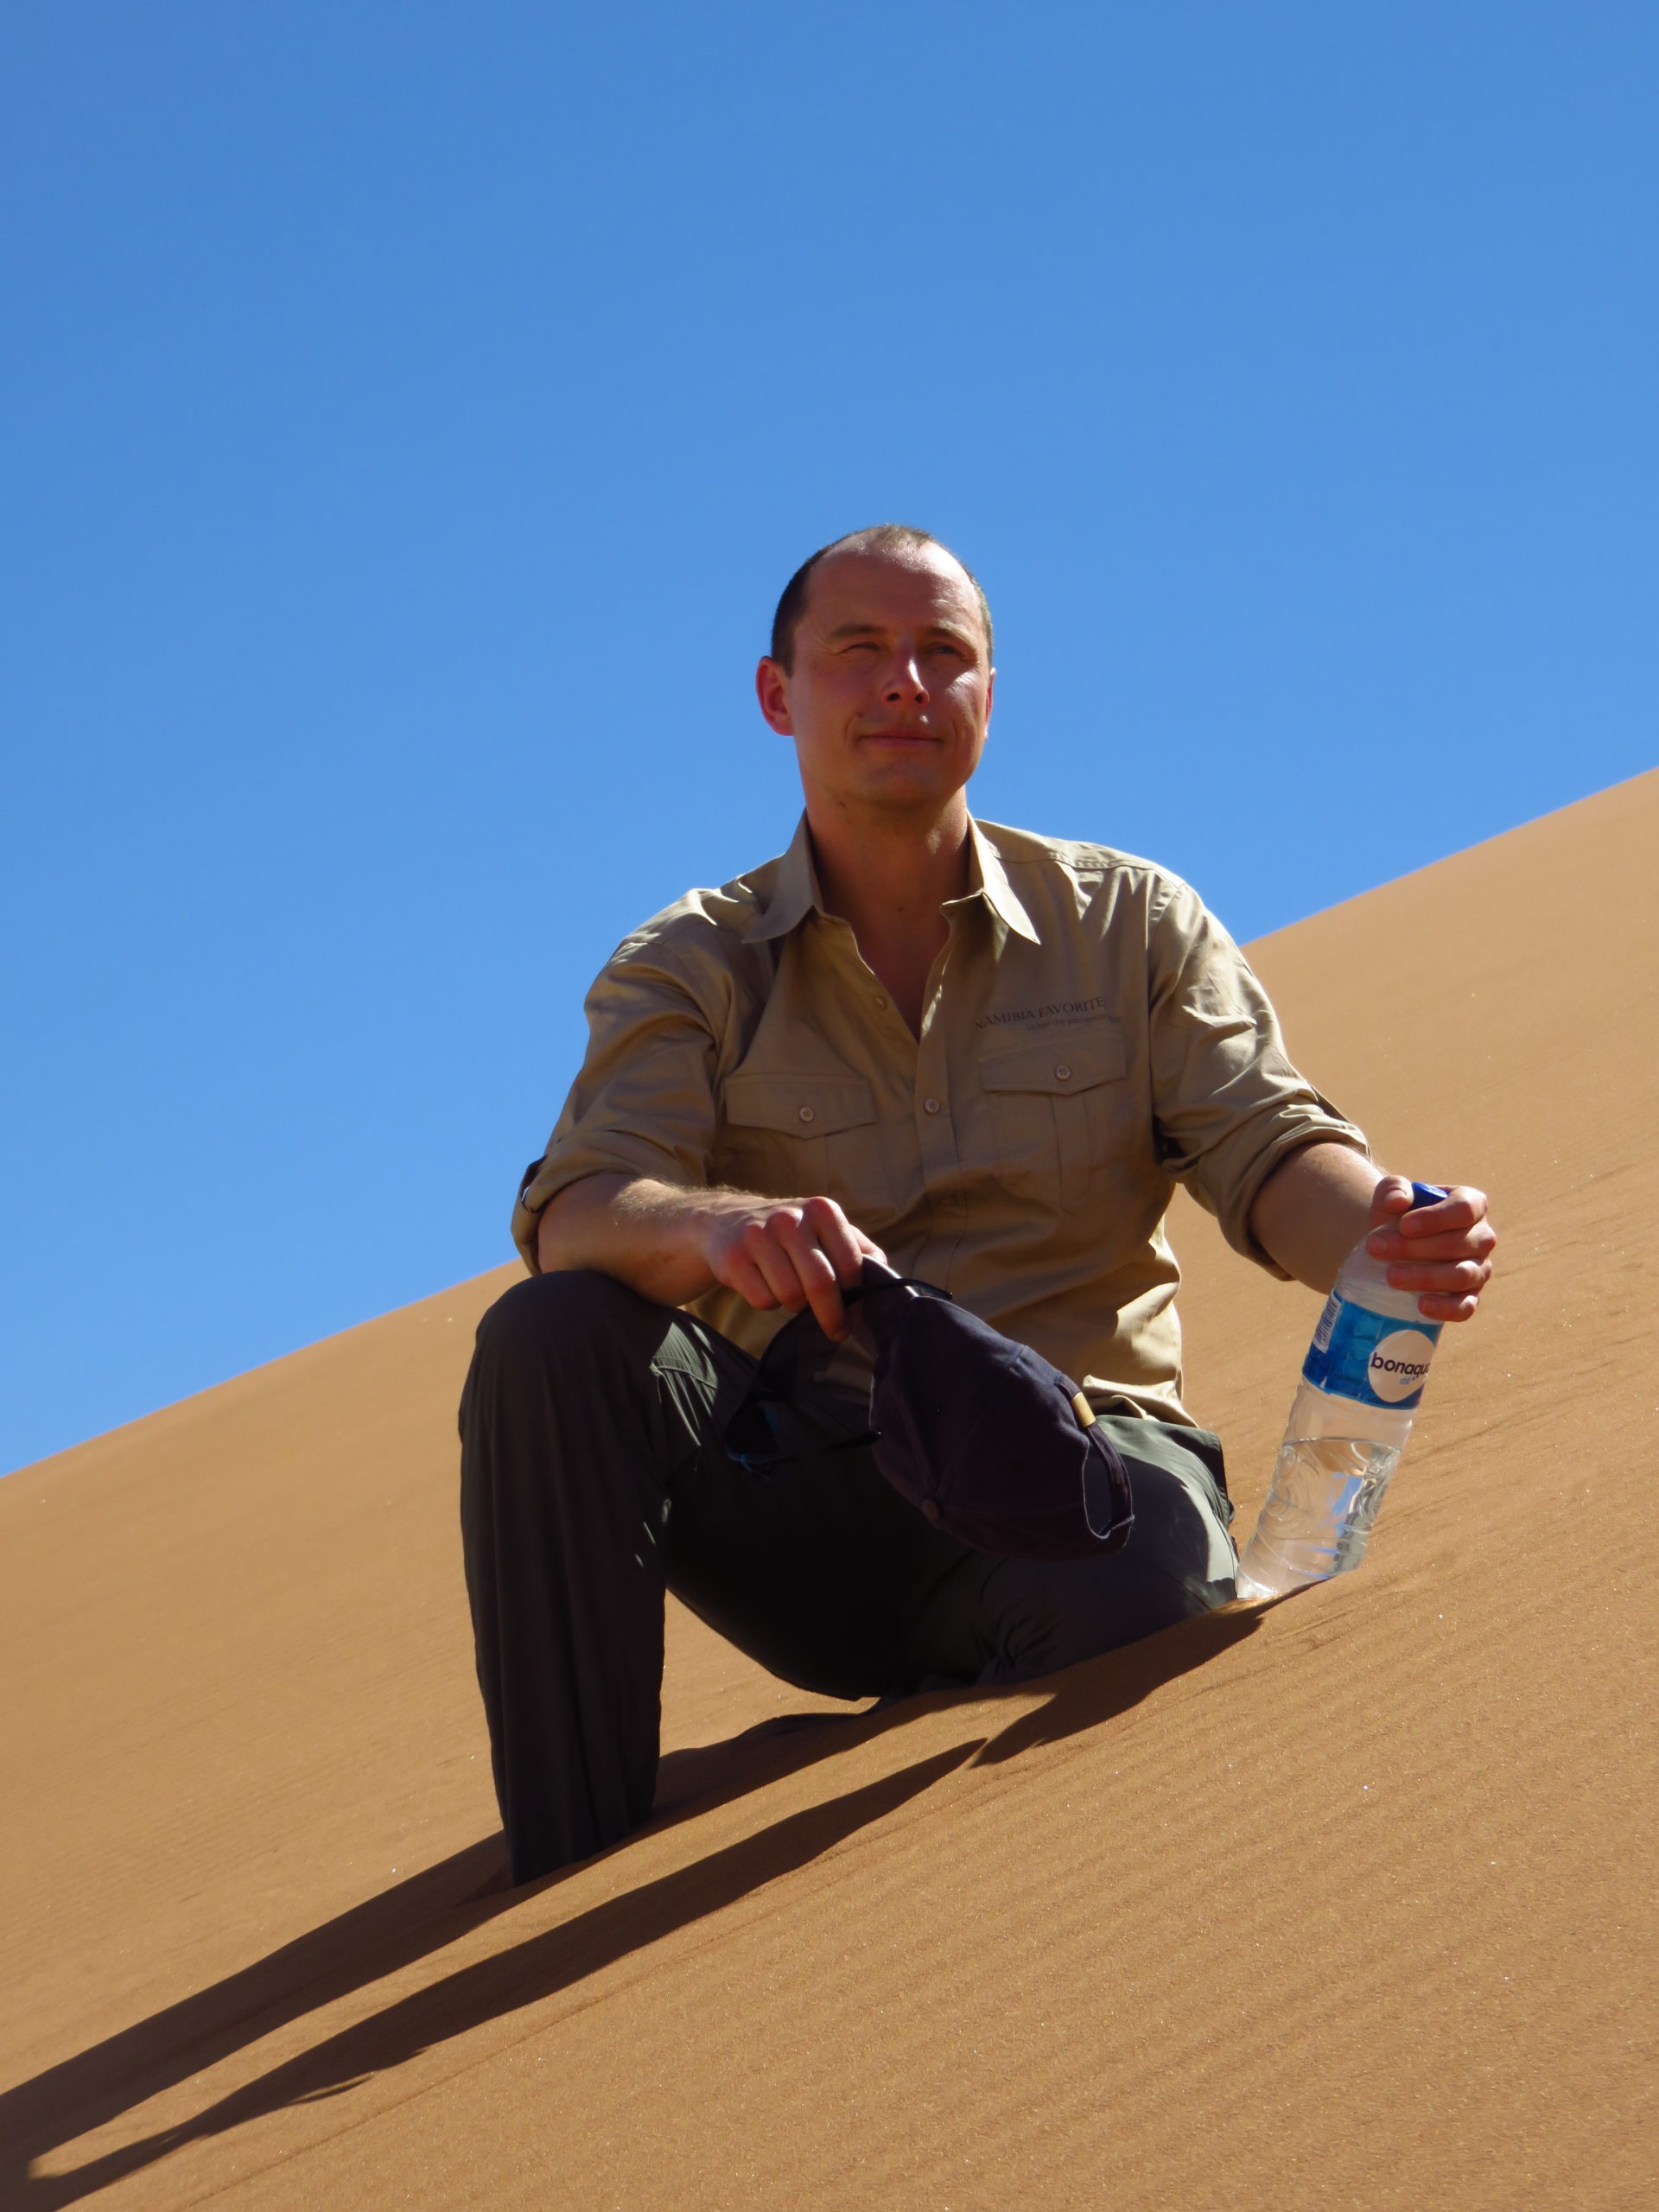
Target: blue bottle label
{"type": "Point", "coordinates": [1370, 1357]}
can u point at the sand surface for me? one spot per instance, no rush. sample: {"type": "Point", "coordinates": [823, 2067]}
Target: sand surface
{"type": "Point", "coordinates": [1347, 1903]}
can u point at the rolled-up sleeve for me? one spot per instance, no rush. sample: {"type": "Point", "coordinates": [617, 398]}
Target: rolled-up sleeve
{"type": "Point", "coordinates": [1228, 1104]}
{"type": "Point", "coordinates": [644, 1103]}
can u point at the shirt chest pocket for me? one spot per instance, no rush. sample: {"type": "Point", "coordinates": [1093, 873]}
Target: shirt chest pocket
{"type": "Point", "coordinates": [804, 1136]}
{"type": "Point", "coordinates": [1051, 1107]}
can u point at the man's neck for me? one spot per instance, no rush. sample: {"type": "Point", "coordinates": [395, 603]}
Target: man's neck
{"type": "Point", "coordinates": [889, 877]}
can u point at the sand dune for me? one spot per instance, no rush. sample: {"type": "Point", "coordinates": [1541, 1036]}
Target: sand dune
{"type": "Point", "coordinates": [1349, 1903]}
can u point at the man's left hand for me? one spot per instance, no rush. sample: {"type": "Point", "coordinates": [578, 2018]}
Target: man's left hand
{"type": "Point", "coordinates": [1443, 1252]}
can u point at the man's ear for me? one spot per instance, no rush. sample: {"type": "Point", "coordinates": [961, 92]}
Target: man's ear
{"type": "Point", "coordinates": [771, 689]}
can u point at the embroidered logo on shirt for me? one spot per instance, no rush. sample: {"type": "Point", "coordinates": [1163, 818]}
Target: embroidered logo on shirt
{"type": "Point", "coordinates": [1056, 1011]}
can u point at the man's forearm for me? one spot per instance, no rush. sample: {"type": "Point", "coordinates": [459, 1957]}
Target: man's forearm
{"type": "Point", "coordinates": [672, 1244]}
{"type": "Point", "coordinates": [650, 1235]}
{"type": "Point", "coordinates": [1317, 1205]}
{"type": "Point", "coordinates": [1313, 1209]}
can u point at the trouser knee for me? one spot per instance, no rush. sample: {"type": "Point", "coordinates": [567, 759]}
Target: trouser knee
{"type": "Point", "coordinates": [572, 1337]}
{"type": "Point", "coordinates": [574, 1313]}
{"type": "Point", "coordinates": [1042, 1615]}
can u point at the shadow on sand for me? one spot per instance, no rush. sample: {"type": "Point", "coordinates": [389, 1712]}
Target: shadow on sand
{"type": "Point", "coordinates": [426, 1913]}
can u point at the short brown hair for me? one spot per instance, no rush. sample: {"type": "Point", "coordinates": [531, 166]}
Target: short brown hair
{"type": "Point", "coordinates": [879, 538]}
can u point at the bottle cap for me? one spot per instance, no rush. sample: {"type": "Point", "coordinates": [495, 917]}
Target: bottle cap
{"type": "Point", "coordinates": [1426, 1194]}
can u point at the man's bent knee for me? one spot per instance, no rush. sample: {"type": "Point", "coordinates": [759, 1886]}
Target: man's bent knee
{"type": "Point", "coordinates": [572, 1310]}
{"type": "Point", "coordinates": [1044, 1616]}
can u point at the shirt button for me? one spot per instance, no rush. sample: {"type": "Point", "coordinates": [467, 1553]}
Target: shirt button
{"type": "Point", "coordinates": [807, 1115]}
{"type": "Point", "coordinates": [1064, 1072]}
{"type": "Point", "coordinates": [930, 1105]}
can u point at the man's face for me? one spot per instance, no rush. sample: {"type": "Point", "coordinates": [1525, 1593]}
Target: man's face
{"type": "Point", "coordinates": [890, 695]}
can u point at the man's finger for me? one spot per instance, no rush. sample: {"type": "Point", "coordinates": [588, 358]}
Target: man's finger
{"type": "Point", "coordinates": [1461, 1208]}
{"type": "Point", "coordinates": [738, 1272]}
{"type": "Point", "coordinates": [743, 1261]}
{"type": "Point", "coordinates": [1389, 1200]}
{"type": "Point", "coordinates": [1433, 1308]}
{"type": "Point", "coordinates": [1475, 1244]}
{"type": "Point", "coordinates": [765, 1243]}
{"type": "Point", "coordinates": [840, 1240]}
{"type": "Point", "coordinates": [815, 1272]}
{"type": "Point", "coordinates": [1453, 1279]}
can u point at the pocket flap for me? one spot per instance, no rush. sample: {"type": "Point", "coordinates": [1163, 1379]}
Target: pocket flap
{"type": "Point", "coordinates": [797, 1106]}
{"type": "Point", "coordinates": [1074, 1060]}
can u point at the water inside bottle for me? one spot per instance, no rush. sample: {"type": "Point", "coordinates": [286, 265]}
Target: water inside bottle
{"type": "Point", "coordinates": [1326, 1493]}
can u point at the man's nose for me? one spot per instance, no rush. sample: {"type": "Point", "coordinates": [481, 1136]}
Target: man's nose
{"type": "Point", "coordinates": [904, 679]}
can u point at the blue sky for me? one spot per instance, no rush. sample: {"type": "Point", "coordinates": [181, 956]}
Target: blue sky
{"type": "Point", "coordinates": [411, 413]}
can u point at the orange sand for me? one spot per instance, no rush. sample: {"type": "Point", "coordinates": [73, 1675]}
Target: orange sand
{"type": "Point", "coordinates": [1348, 1903]}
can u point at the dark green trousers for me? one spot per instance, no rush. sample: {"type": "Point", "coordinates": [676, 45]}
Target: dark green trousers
{"type": "Point", "coordinates": [594, 1477]}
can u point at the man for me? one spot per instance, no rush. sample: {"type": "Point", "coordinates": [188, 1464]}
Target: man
{"type": "Point", "coordinates": [985, 1056]}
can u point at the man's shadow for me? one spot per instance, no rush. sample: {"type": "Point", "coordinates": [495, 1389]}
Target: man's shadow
{"type": "Point", "coordinates": [430, 1911]}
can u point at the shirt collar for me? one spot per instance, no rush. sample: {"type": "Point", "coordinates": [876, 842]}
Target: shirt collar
{"type": "Point", "coordinates": [795, 893]}
{"type": "Point", "coordinates": [986, 862]}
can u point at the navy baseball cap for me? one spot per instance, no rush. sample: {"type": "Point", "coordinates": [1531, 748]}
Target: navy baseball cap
{"type": "Point", "coordinates": [982, 1434]}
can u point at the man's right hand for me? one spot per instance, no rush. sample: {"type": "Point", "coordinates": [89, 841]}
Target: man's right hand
{"type": "Point", "coordinates": [789, 1252]}
{"type": "Point", "coordinates": [672, 1244]}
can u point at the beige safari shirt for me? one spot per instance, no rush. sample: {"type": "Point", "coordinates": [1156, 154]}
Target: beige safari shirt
{"type": "Point", "coordinates": [1092, 1037]}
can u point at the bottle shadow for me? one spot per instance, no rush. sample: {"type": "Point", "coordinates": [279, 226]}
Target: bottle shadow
{"type": "Point", "coordinates": [430, 1911]}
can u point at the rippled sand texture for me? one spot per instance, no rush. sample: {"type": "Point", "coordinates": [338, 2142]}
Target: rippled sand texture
{"type": "Point", "coordinates": [1345, 1903]}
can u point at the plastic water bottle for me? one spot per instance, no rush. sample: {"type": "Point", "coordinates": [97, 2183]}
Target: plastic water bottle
{"type": "Point", "coordinates": [1361, 1383]}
